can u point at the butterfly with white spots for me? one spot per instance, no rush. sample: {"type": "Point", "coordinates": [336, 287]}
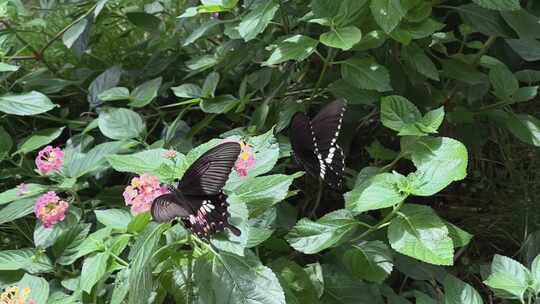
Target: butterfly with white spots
{"type": "Point", "coordinates": [314, 143]}
{"type": "Point", "coordinates": [198, 200]}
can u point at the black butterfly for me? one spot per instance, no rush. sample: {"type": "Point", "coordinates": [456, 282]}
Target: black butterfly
{"type": "Point", "coordinates": [314, 143]}
{"type": "Point", "coordinates": [198, 200]}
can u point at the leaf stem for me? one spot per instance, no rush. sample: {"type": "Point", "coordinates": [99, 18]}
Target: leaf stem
{"type": "Point", "coordinates": [65, 29]}
{"type": "Point", "coordinates": [189, 271]}
{"type": "Point", "coordinates": [327, 62]}
{"type": "Point", "coordinates": [385, 222]}
{"type": "Point", "coordinates": [120, 260]}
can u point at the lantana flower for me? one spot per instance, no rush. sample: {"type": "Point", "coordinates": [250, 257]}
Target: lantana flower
{"type": "Point", "coordinates": [49, 159]}
{"type": "Point", "coordinates": [22, 189]}
{"type": "Point", "coordinates": [142, 191]}
{"type": "Point", "coordinates": [50, 209]}
{"type": "Point", "coordinates": [170, 154]}
{"type": "Point", "coordinates": [245, 160]}
{"type": "Point", "coordinates": [12, 295]}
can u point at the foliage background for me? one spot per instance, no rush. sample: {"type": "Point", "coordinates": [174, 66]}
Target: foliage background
{"type": "Point", "coordinates": [441, 132]}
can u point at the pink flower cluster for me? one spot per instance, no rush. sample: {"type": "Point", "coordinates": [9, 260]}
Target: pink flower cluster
{"type": "Point", "coordinates": [245, 160]}
{"type": "Point", "coordinates": [49, 159]}
{"type": "Point", "coordinates": [50, 209]}
{"type": "Point", "coordinates": [142, 191]}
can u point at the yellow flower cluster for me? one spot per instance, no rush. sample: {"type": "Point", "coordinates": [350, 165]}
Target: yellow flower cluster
{"type": "Point", "coordinates": [12, 295]}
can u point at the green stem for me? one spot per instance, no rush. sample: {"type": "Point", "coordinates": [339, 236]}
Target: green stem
{"type": "Point", "coordinates": [120, 260]}
{"type": "Point", "coordinates": [59, 34]}
{"type": "Point", "coordinates": [327, 62]}
{"type": "Point", "coordinates": [385, 222]}
{"type": "Point", "coordinates": [189, 272]}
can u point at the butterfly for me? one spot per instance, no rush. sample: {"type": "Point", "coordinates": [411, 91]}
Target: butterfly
{"type": "Point", "coordinates": [198, 200]}
{"type": "Point", "coordinates": [314, 143]}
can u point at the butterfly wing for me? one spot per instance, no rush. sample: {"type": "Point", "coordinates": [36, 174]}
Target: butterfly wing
{"type": "Point", "coordinates": [210, 217]}
{"type": "Point", "coordinates": [168, 207]}
{"type": "Point", "coordinates": [208, 174]}
{"type": "Point", "coordinates": [326, 126]}
{"type": "Point", "coordinates": [303, 144]}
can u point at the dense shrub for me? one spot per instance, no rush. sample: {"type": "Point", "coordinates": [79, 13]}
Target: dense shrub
{"type": "Point", "coordinates": [104, 103]}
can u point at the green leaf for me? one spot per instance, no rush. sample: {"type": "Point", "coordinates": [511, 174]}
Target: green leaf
{"type": "Point", "coordinates": [113, 94]}
{"type": "Point", "coordinates": [257, 19]}
{"type": "Point", "coordinates": [508, 279]}
{"type": "Point", "coordinates": [106, 80]}
{"type": "Point", "coordinates": [325, 8]}
{"type": "Point", "coordinates": [11, 194]}
{"type": "Point", "coordinates": [39, 139]}
{"type": "Point", "coordinates": [139, 222]}
{"type": "Point", "coordinates": [415, 57]}
{"type": "Point", "coordinates": [81, 245]}
{"type": "Point", "coordinates": [535, 273]}
{"type": "Point", "coordinates": [419, 233]}
{"type": "Point", "coordinates": [121, 287]}
{"type": "Point", "coordinates": [377, 151]}
{"type": "Point", "coordinates": [145, 21]}
{"type": "Point", "coordinates": [204, 29]}
{"type": "Point", "coordinates": [500, 5]}
{"type": "Point", "coordinates": [26, 260]}
{"type": "Point", "coordinates": [187, 90]}
{"type": "Point", "coordinates": [485, 21]}
{"type": "Point", "coordinates": [219, 104]}
{"type": "Point", "coordinates": [5, 67]}
{"type": "Point", "coordinates": [374, 191]}
{"type": "Point", "coordinates": [78, 164]}
{"type": "Point", "coordinates": [397, 112]}
{"type": "Point", "coordinates": [525, 94]}
{"type": "Point", "coordinates": [503, 81]}
{"type": "Point", "coordinates": [297, 47]}
{"type": "Point", "coordinates": [120, 123]}
{"type": "Point", "coordinates": [145, 93]}
{"type": "Point", "coordinates": [387, 13]}
{"type": "Point", "coordinates": [342, 38]}
{"type": "Point", "coordinates": [365, 73]}
{"type": "Point", "coordinates": [457, 292]}
{"type": "Point", "coordinates": [525, 127]}
{"type": "Point", "coordinates": [17, 209]}
{"type": "Point", "coordinates": [432, 120]}
{"type": "Point", "coordinates": [461, 71]}
{"type": "Point", "coordinates": [39, 288]}
{"type": "Point", "coordinates": [24, 104]}
{"type": "Point", "coordinates": [524, 23]}
{"type": "Point", "coordinates": [528, 49]}
{"type": "Point", "coordinates": [422, 298]}
{"type": "Point", "coordinates": [439, 161]}
{"type": "Point", "coordinates": [114, 218]}
{"type": "Point", "coordinates": [261, 193]}
{"type": "Point", "coordinates": [460, 237]}
{"type": "Point", "coordinates": [231, 278]}
{"type": "Point", "coordinates": [74, 32]}
{"type": "Point", "coordinates": [295, 281]}
{"type": "Point", "coordinates": [6, 143]}
{"type": "Point", "coordinates": [210, 84]}
{"type": "Point", "coordinates": [148, 161]}
{"type": "Point", "coordinates": [371, 261]}
{"type": "Point", "coordinates": [140, 276]}
{"type": "Point", "coordinates": [330, 230]}
{"type": "Point", "coordinates": [93, 269]}
{"type": "Point", "coordinates": [342, 288]}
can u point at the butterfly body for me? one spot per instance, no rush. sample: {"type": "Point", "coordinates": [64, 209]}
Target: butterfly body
{"type": "Point", "coordinates": [198, 200]}
{"type": "Point", "coordinates": [314, 143]}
